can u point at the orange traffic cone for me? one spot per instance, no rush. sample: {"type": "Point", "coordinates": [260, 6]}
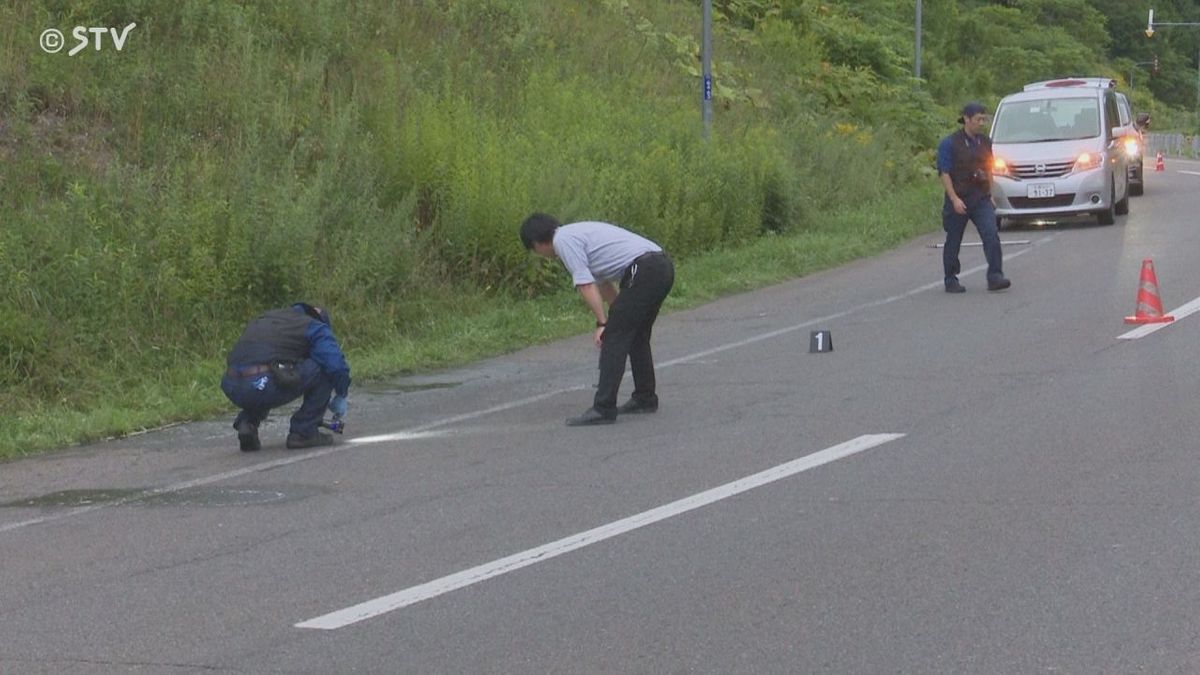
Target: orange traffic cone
{"type": "Point", "coordinates": [1158, 162]}
{"type": "Point", "coordinates": [1149, 307]}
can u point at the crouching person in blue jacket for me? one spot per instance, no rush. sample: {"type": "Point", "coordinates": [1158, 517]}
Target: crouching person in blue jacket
{"type": "Point", "coordinates": [282, 355]}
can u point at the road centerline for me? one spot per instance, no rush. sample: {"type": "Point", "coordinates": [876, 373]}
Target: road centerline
{"type": "Point", "coordinates": [409, 596]}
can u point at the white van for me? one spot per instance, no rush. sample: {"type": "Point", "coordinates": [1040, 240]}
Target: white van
{"type": "Point", "coordinates": [1058, 151]}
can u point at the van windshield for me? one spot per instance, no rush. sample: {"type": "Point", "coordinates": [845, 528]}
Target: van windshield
{"type": "Point", "coordinates": [1051, 119]}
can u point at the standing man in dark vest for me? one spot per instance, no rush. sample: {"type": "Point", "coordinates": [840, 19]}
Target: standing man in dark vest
{"type": "Point", "coordinates": [964, 163]}
{"type": "Point", "coordinates": [282, 355]}
{"type": "Point", "coordinates": [631, 274]}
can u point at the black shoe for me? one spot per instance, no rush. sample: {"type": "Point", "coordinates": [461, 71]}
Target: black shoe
{"type": "Point", "coordinates": [317, 440]}
{"type": "Point", "coordinates": [999, 284]}
{"type": "Point", "coordinates": [248, 436]}
{"type": "Point", "coordinates": [634, 406]}
{"type": "Point", "coordinates": [953, 286]}
{"type": "Point", "coordinates": [589, 417]}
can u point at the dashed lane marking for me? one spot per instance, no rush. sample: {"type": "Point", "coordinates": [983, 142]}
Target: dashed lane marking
{"type": "Point", "coordinates": [432, 589]}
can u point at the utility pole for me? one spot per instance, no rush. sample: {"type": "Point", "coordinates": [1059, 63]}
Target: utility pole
{"type": "Point", "coordinates": [917, 57]}
{"type": "Point", "coordinates": [1141, 63]}
{"type": "Point", "coordinates": [706, 66]}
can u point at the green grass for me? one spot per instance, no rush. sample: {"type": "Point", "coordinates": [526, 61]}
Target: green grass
{"type": "Point", "coordinates": [376, 158]}
{"type": "Point", "coordinates": [486, 324]}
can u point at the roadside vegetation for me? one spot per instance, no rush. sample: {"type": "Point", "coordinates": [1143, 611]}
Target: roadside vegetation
{"type": "Point", "coordinates": [377, 157]}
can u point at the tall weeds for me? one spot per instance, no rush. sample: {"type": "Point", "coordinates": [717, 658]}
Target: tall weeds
{"type": "Point", "coordinates": [365, 156]}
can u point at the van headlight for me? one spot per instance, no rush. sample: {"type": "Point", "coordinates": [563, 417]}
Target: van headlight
{"type": "Point", "coordinates": [1132, 147]}
{"type": "Point", "coordinates": [1000, 167]}
{"type": "Point", "coordinates": [1087, 161]}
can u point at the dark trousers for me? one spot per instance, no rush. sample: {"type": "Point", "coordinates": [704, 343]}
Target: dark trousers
{"type": "Point", "coordinates": [256, 395]}
{"type": "Point", "coordinates": [627, 336]}
{"type": "Point", "coordinates": [981, 212]}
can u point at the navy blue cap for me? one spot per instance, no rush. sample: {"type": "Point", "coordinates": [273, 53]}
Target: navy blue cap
{"type": "Point", "coordinates": [970, 110]}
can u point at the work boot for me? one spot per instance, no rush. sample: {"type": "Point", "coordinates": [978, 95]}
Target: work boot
{"type": "Point", "coordinates": [952, 286]}
{"type": "Point", "coordinates": [999, 284]}
{"type": "Point", "coordinates": [317, 440]}
{"type": "Point", "coordinates": [590, 417]}
{"type": "Point", "coordinates": [247, 433]}
{"type": "Point", "coordinates": [633, 406]}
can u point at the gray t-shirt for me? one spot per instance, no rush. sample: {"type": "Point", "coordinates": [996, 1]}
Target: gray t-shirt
{"type": "Point", "coordinates": [595, 252]}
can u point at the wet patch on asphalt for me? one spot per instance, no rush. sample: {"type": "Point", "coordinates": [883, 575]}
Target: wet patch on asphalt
{"type": "Point", "coordinates": [189, 497]}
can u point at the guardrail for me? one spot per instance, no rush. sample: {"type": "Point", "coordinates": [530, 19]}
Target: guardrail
{"type": "Point", "coordinates": [1173, 145]}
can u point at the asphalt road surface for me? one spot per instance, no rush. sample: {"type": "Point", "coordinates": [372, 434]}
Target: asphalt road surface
{"type": "Point", "coordinates": [984, 483]}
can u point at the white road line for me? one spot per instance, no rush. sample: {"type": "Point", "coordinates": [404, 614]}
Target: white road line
{"type": "Point", "coordinates": [419, 430]}
{"type": "Point", "coordinates": [1179, 313]}
{"type": "Point", "coordinates": [397, 436]}
{"type": "Point", "coordinates": [1190, 173]}
{"type": "Point", "coordinates": [432, 589]}
{"type": "Point", "coordinates": [34, 521]}
{"type": "Point", "coordinates": [830, 317]}
{"type": "Point", "coordinates": [413, 432]}
{"type": "Point", "coordinates": [1003, 243]}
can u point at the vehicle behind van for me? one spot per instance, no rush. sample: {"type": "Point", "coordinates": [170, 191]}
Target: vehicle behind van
{"type": "Point", "coordinates": [1058, 151]}
{"type": "Point", "coordinates": [1134, 144]}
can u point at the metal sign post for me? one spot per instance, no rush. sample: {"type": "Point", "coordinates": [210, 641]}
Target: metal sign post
{"type": "Point", "coordinates": [1150, 24]}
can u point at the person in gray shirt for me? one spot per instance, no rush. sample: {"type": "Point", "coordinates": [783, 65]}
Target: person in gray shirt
{"type": "Point", "coordinates": [632, 275]}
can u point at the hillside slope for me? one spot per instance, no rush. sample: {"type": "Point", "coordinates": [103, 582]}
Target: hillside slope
{"type": "Point", "coordinates": [376, 157]}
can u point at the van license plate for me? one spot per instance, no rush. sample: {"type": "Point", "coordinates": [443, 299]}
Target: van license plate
{"type": "Point", "coordinates": [1041, 190]}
